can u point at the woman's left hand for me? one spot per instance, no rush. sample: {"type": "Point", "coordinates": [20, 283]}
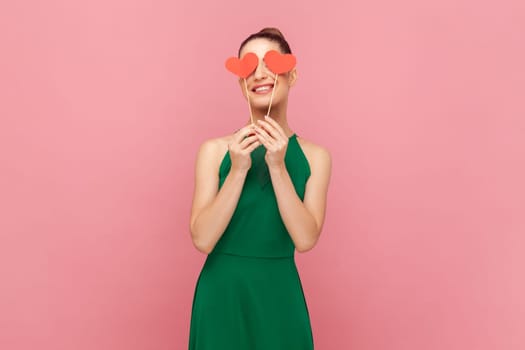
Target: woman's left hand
{"type": "Point", "coordinates": [274, 139]}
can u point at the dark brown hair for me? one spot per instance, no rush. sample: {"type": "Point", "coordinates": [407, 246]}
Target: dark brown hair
{"type": "Point", "coordinates": [272, 34]}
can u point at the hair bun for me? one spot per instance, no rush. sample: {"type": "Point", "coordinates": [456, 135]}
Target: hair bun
{"type": "Point", "coordinates": [269, 33]}
{"type": "Point", "coordinates": [273, 31]}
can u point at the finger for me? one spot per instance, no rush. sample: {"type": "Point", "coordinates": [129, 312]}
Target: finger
{"type": "Point", "coordinates": [271, 144]}
{"type": "Point", "coordinates": [248, 141]}
{"type": "Point", "coordinates": [253, 146]}
{"type": "Point", "coordinates": [239, 136]}
{"type": "Point", "coordinates": [269, 129]}
{"type": "Point", "coordinates": [275, 125]}
{"type": "Point", "coordinates": [242, 133]}
{"type": "Point", "coordinates": [267, 143]}
{"type": "Point", "coordinates": [263, 135]}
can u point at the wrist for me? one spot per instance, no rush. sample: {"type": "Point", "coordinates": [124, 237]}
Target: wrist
{"type": "Point", "coordinates": [238, 172]}
{"type": "Point", "coordinates": [277, 168]}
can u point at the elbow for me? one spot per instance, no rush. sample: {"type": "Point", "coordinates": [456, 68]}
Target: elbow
{"type": "Point", "coordinates": [305, 247]}
{"type": "Point", "coordinates": [200, 244]}
{"type": "Point", "coordinates": [302, 249]}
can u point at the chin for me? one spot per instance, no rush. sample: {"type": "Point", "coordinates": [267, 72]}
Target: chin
{"type": "Point", "coordinates": [262, 106]}
{"type": "Point", "coordinates": [264, 103]}
{"type": "Point", "coordinates": [256, 103]}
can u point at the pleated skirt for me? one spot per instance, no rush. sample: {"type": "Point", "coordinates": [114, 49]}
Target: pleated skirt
{"type": "Point", "coordinates": [249, 303]}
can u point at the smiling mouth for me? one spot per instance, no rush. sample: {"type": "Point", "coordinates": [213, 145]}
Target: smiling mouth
{"type": "Point", "coordinates": [263, 89]}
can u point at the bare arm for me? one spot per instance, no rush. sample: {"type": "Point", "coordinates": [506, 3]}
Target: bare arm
{"type": "Point", "coordinates": [303, 219]}
{"type": "Point", "coordinates": [212, 209]}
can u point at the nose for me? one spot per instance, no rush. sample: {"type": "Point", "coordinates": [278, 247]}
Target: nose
{"type": "Point", "coordinates": [260, 72]}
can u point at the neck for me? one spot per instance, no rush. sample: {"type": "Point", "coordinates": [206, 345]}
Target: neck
{"type": "Point", "coordinates": [277, 113]}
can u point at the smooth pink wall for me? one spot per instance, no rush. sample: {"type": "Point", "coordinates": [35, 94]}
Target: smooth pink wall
{"type": "Point", "coordinates": [104, 104]}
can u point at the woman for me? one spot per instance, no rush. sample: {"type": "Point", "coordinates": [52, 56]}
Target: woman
{"type": "Point", "coordinates": [260, 194]}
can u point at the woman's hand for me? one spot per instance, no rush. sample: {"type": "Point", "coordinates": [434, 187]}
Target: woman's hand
{"type": "Point", "coordinates": [273, 137]}
{"type": "Point", "coordinates": [241, 145]}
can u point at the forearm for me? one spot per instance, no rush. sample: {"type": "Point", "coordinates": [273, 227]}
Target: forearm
{"type": "Point", "coordinates": [209, 225]}
{"type": "Point", "coordinates": [300, 223]}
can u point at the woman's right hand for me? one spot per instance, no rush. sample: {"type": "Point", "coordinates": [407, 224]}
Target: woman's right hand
{"type": "Point", "coordinates": [241, 145]}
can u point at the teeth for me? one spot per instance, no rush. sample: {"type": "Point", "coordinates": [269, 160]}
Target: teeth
{"type": "Point", "coordinates": [263, 88]}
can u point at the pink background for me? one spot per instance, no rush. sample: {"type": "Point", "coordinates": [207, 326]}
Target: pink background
{"type": "Point", "coordinates": [104, 104]}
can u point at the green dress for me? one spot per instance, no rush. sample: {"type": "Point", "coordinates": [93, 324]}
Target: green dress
{"type": "Point", "coordinates": [249, 294]}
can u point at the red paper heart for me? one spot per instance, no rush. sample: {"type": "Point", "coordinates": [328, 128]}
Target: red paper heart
{"type": "Point", "coordinates": [279, 63]}
{"type": "Point", "coordinates": [242, 67]}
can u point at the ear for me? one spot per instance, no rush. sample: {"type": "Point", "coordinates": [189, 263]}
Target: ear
{"type": "Point", "coordinates": [292, 77]}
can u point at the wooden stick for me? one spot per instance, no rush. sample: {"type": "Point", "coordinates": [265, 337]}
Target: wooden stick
{"type": "Point", "coordinates": [271, 97]}
{"type": "Point", "coordinates": [248, 97]}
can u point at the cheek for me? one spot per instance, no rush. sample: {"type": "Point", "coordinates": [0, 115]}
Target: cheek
{"type": "Point", "coordinates": [282, 85]}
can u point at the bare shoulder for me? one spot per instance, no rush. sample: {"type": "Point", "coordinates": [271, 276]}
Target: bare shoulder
{"type": "Point", "coordinates": [212, 151]}
{"type": "Point", "coordinates": [317, 156]}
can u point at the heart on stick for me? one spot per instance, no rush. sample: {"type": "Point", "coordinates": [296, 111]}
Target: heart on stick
{"type": "Point", "coordinates": [279, 63]}
{"type": "Point", "coordinates": [242, 67]}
